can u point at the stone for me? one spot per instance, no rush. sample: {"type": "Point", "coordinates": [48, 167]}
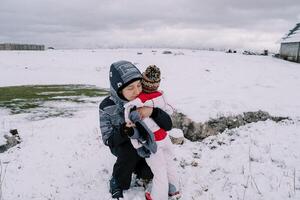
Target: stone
{"type": "Point", "coordinates": [176, 136]}
{"type": "Point", "coordinates": [197, 131]}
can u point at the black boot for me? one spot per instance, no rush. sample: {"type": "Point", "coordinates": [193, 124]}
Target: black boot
{"type": "Point", "coordinates": [115, 189]}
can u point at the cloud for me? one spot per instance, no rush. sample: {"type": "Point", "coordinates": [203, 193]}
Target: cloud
{"type": "Point", "coordinates": [134, 23]}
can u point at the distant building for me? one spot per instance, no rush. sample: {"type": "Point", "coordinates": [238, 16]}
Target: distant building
{"type": "Point", "coordinates": [290, 45]}
{"type": "Point", "coordinates": [12, 46]}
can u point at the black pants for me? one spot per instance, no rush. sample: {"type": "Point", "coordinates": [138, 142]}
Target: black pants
{"type": "Point", "coordinates": [128, 161]}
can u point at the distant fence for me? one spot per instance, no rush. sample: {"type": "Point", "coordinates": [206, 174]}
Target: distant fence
{"type": "Point", "coordinates": [33, 47]}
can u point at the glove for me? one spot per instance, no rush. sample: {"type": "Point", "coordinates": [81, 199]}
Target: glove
{"type": "Point", "coordinates": [134, 116]}
{"type": "Point", "coordinates": [126, 131]}
{"type": "Point", "coordinates": [146, 136]}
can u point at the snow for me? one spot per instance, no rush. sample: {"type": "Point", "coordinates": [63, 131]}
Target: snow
{"type": "Point", "coordinates": [295, 37]}
{"type": "Point", "coordinates": [224, 171]}
{"type": "Point", "coordinates": [176, 133]}
{"type": "Point", "coordinates": [64, 158]}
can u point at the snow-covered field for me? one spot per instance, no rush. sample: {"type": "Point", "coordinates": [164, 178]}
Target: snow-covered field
{"type": "Point", "coordinates": [64, 158]}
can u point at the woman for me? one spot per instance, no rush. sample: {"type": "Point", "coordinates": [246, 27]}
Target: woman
{"type": "Point", "coordinates": [125, 85]}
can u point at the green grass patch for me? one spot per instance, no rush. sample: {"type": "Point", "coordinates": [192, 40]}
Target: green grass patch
{"type": "Point", "coordinates": [25, 99]}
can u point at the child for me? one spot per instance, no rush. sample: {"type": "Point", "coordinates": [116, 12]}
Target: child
{"type": "Point", "coordinates": [150, 140]}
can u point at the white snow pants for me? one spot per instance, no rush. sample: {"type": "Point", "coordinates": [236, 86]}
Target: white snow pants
{"type": "Point", "coordinates": [164, 170]}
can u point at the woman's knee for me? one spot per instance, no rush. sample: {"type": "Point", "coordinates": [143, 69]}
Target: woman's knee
{"type": "Point", "coordinates": [128, 155]}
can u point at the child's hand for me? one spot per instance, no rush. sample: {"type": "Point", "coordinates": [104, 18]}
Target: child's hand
{"type": "Point", "coordinates": [145, 112]}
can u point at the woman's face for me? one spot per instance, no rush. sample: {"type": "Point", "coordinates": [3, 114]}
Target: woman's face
{"type": "Point", "coordinates": [132, 90]}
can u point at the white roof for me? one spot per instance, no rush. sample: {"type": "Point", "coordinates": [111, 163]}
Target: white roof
{"type": "Point", "coordinates": [293, 35]}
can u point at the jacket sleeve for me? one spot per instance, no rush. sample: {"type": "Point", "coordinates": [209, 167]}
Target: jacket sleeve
{"type": "Point", "coordinates": [162, 119]}
{"type": "Point", "coordinates": [112, 136]}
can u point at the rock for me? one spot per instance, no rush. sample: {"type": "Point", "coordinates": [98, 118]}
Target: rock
{"type": "Point", "coordinates": [2, 148]}
{"type": "Point", "coordinates": [11, 140]}
{"type": "Point", "coordinates": [198, 131]}
{"type": "Point", "coordinates": [176, 136]}
{"type": "Point", "coordinates": [14, 131]}
{"type": "Point", "coordinates": [194, 163]}
{"type": "Point", "coordinates": [196, 155]}
{"type": "Point", "coordinates": [183, 164]}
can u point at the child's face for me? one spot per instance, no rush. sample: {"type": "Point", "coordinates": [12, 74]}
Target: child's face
{"type": "Point", "coordinates": [132, 90]}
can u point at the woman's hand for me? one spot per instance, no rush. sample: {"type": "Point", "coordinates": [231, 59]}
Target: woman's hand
{"type": "Point", "coordinates": [145, 111]}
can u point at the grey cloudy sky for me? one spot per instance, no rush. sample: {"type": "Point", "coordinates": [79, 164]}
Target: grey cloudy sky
{"type": "Point", "coordinates": [252, 24]}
